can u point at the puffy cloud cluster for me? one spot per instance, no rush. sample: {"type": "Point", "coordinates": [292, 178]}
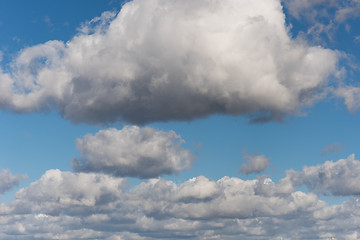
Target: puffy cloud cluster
{"type": "Point", "coordinates": [255, 164]}
{"type": "Point", "coordinates": [65, 205]}
{"type": "Point", "coordinates": [9, 180]}
{"type": "Point", "coordinates": [159, 60]}
{"type": "Point", "coordinates": [338, 178]}
{"type": "Point", "coordinates": [133, 151]}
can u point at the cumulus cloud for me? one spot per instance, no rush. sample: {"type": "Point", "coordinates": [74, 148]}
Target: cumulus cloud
{"type": "Point", "coordinates": [83, 205]}
{"type": "Point", "coordinates": [337, 178]}
{"type": "Point", "coordinates": [133, 151]}
{"type": "Point", "coordinates": [57, 193]}
{"type": "Point", "coordinates": [94, 205]}
{"type": "Point", "coordinates": [160, 60]}
{"type": "Point", "coordinates": [8, 180]}
{"type": "Point", "coordinates": [255, 163]}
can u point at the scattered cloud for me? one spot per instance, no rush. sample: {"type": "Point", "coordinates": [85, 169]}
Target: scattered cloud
{"type": "Point", "coordinates": [133, 151]}
{"type": "Point", "coordinates": [314, 10]}
{"type": "Point", "coordinates": [95, 205]}
{"type": "Point", "coordinates": [255, 163]}
{"type": "Point", "coordinates": [332, 148]}
{"type": "Point", "coordinates": [47, 20]}
{"type": "Point", "coordinates": [8, 180]}
{"type": "Point", "coordinates": [351, 96]}
{"type": "Point", "coordinates": [338, 178]}
{"type": "Point", "coordinates": [160, 60]}
{"type": "Point", "coordinates": [324, 16]}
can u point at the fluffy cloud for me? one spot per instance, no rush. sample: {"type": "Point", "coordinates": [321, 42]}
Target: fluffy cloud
{"type": "Point", "coordinates": [65, 205]}
{"type": "Point", "coordinates": [79, 205]}
{"type": "Point", "coordinates": [338, 178]}
{"type": "Point", "coordinates": [68, 193]}
{"type": "Point", "coordinates": [160, 60]}
{"type": "Point", "coordinates": [255, 164]}
{"type": "Point", "coordinates": [9, 180]}
{"type": "Point", "coordinates": [133, 151]}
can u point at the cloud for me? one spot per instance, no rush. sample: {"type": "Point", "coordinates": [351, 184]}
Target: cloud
{"type": "Point", "coordinates": [340, 11]}
{"type": "Point", "coordinates": [255, 163]}
{"type": "Point", "coordinates": [57, 193]}
{"type": "Point", "coordinates": [351, 96]}
{"type": "Point", "coordinates": [133, 151]}
{"type": "Point", "coordinates": [94, 205]}
{"type": "Point", "coordinates": [161, 60]}
{"type": "Point", "coordinates": [83, 205]}
{"type": "Point", "coordinates": [332, 148]}
{"type": "Point", "coordinates": [326, 18]}
{"type": "Point", "coordinates": [338, 178]}
{"type": "Point", "coordinates": [8, 180]}
{"type": "Point", "coordinates": [299, 8]}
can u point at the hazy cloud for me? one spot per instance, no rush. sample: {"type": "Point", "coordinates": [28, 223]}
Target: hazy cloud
{"type": "Point", "coordinates": [340, 11]}
{"type": "Point", "coordinates": [332, 148]}
{"type": "Point", "coordinates": [9, 180]}
{"type": "Point", "coordinates": [133, 151]}
{"type": "Point", "coordinates": [160, 60]}
{"type": "Point", "coordinates": [351, 96]}
{"type": "Point", "coordinates": [254, 163]}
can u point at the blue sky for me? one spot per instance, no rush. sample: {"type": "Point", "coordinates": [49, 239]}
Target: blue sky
{"type": "Point", "coordinates": [179, 119]}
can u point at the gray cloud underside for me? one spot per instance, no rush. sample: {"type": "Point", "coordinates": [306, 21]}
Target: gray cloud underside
{"type": "Point", "coordinates": [69, 205]}
{"type": "Point", "coordinates": [8, 180]}
{"type": "Point", "coordinates": [160, 60]}
{"type": "Point", "coordinates": [133, 152]}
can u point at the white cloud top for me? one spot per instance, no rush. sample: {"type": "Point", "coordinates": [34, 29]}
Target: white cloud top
{"type": "Point", "coordinates": [133, 151]}
{"type": "Point", "coordinates": [160, 60]}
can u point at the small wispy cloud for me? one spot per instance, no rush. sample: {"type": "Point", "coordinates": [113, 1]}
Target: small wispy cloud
{"type": "Point", "coordinates": [332, 148]}
{"type": "Point", "coordinates": [47, 20]}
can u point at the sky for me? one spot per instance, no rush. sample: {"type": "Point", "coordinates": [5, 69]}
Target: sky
{"type": "Point", "coordinates": [164, 119]}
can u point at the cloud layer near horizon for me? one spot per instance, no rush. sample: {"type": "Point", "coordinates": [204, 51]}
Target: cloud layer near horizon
{"type": "Point", "coordinates": [133, 152]}
{"type": "Point", "coordinates": [160, 60]}
{"type": "Point", "coordinates": [94, 205]}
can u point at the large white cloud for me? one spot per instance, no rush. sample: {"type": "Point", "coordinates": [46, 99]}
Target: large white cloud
{"type": "Point", "coordinates": [65, 205]}
{"type": "Point", "coordinates": [160, 60]}
{"type": "Point", "coordinates": [133, 151]}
